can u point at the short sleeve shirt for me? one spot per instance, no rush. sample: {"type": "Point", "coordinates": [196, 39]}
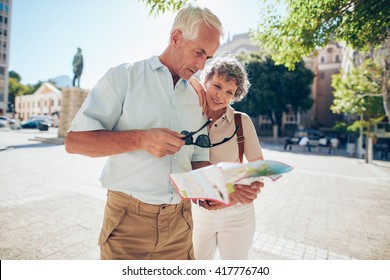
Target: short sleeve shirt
{"type": "Point", "coordinates": [142, 96]}
{"type": "Point", "coordinates": [228, 152]}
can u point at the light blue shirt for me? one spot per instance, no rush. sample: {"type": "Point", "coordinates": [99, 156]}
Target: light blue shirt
{"type": "Point", "coordinates": [142, 96]}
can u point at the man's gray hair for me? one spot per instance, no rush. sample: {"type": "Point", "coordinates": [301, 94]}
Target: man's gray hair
{"type": "Point", "coordinates": [230, 68]}
{"type": "Point", "coordinates": [190, 17]}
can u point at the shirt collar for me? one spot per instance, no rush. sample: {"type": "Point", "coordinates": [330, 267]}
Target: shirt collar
{"type": "Point", "coordinates": [155, 64]}
{"type": "Point", "coordinates": [229, 113]}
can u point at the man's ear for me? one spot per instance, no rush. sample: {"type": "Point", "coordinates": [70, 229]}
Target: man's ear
{"type": "Point", "coordinates": [176, 37]}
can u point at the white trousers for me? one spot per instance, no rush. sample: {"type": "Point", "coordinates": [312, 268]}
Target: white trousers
{"type": "Point", "coordinates": [230, 230]}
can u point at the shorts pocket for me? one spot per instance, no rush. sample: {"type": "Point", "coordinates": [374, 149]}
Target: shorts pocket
{"type": "Point", "coordinates": [113, 216]}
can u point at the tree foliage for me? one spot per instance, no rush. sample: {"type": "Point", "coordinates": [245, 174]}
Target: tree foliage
{"type": "Point", "coordinates": [275, 90]}
{"type": "Point", "coordinates": [15, 87]}
{"type": "Point", "coordinates": [359, 92]}
{"type": "Point", "coordinates": [162, 6]}
{"type": "Point", "coordinates": [309, 24]}
{"type": "Point", "coordinates": [14, 75]}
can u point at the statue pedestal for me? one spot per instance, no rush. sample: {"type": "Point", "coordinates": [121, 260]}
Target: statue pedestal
{"type": "Point", "coordinates": [71, 101]}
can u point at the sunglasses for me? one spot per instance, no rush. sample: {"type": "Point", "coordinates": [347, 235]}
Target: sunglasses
{"type": "Point", "coordinates": [203, 140]}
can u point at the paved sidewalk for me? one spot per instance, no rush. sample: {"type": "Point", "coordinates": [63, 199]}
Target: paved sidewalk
{"type": "Point", "coordinates": [328, 207]}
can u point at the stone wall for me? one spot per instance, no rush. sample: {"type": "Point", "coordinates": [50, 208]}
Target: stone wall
{"type": "Point", "coordinates": [72, 99]}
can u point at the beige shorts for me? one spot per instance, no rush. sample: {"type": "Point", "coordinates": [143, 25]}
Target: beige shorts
{"type": "Point", "coordinates": [133, 230]}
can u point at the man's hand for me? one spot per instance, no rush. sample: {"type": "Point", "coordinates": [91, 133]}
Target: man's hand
{"type": "Point", "coordinates": [215, 205]}
{"type": "Point", "coordinates": [160, 142]}
{"type": "Point", "coordinates": [246, 193]}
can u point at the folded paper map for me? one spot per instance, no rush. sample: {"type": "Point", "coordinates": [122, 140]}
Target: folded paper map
{"type": "Point", "coordinates": [215, 182]}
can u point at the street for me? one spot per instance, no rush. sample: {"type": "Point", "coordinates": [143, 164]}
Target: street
{"type": "Point", "coordinates": [328, 207]}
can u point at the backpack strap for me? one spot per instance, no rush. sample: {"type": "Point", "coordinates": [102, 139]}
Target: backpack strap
{"type": "Point", "coordinates": [240, 135]}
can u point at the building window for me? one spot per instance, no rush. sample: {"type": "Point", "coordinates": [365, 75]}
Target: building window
{"type": "Point", "coordinates": [337, 58]}
{"type": "Point", "coordinates": [322, 59]}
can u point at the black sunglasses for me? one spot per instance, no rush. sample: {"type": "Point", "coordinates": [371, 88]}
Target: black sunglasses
{"type": "Point", "coordinates": [203, 140]}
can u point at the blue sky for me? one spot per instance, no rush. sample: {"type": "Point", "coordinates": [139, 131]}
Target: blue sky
{"type": "Point", "coordinates": [46, 33]}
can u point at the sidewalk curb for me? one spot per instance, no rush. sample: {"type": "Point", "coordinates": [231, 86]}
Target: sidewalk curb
{"type": "Point", "coordinates": [51, 140]}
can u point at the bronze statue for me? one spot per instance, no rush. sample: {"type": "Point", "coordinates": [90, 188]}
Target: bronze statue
{"type": "Point", "coordinates": [77, 67]}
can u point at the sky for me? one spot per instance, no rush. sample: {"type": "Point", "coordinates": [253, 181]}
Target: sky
{"type": "Point", "coordinates": [45, 34]}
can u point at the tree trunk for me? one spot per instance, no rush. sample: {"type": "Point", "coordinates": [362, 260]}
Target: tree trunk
{"type": "Point", "coordinates": [386, 63]}
{"type": "Point", "coordinates": [368, 155]}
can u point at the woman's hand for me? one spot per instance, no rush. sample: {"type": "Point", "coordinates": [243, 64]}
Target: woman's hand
{"type": "Point", "coordinates": [246, 193]}
{"type": "Point", "coordinates": [201, 92]}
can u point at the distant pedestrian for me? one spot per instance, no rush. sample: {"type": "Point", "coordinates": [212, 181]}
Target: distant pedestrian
{"type": "Point", "coordinates": [305, 143]}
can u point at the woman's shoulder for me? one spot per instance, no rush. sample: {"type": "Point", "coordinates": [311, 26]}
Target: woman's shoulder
{"type": "Point", "coordinates": [244, 116]}
{"type": "Point", "coordinates": [246, 120]}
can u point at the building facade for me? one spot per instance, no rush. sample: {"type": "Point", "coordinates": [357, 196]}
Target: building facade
{"type": "Point", "coordinates": [329, 62]}
{"type": "Point", "coordinates": [5, 28]}
{"type": "Point", "coordinates": [324, 64]}
{"type": "Point", "coordinates": [46, 100]}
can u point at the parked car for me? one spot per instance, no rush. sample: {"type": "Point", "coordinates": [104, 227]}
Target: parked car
{"type": "Point", "coordinates": [41, 124]}
{"type": "Point", "coordinates": [315, 138]}
{"type": "Point", "coordinates": [4, 121]}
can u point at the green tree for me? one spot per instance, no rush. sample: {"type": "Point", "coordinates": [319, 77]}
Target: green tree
{"type": "Point", "coordinates": [312, 24]}
{"type": "Point", "coordinates": [15, 87]}
{"type": "Point", "coordinates": [360, 92]}
{"type": "Point", "coordinates": [275, 89]}
{"type": "Point", "coordinates": [162, 6]}
{"type": "Point", "coordinates": [16, 76]}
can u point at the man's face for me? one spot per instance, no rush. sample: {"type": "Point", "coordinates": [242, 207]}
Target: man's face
{"type": "Point", "coordinates": [189, 56]}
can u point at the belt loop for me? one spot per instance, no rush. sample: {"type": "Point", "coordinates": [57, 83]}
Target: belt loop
{"type": "Point", "coordinates": [134, 205]}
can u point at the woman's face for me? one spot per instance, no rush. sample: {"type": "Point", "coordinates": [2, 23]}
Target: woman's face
{"type": "Point", "coordinates": [219, 92]}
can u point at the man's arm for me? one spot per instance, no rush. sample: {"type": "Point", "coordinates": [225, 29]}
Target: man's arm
{"type": "Point", "coordinates": [157, 141]}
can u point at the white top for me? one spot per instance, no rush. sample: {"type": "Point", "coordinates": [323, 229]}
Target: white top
{"type": "Point", "coordinates": [142, 96]}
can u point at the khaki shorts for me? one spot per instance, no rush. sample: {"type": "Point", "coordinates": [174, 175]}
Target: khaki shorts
{"type": "Point", "coordinates": [133, 230]}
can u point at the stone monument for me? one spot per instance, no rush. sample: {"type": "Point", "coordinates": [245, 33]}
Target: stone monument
{"type": "Point", "coordinates": [72, 99]}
